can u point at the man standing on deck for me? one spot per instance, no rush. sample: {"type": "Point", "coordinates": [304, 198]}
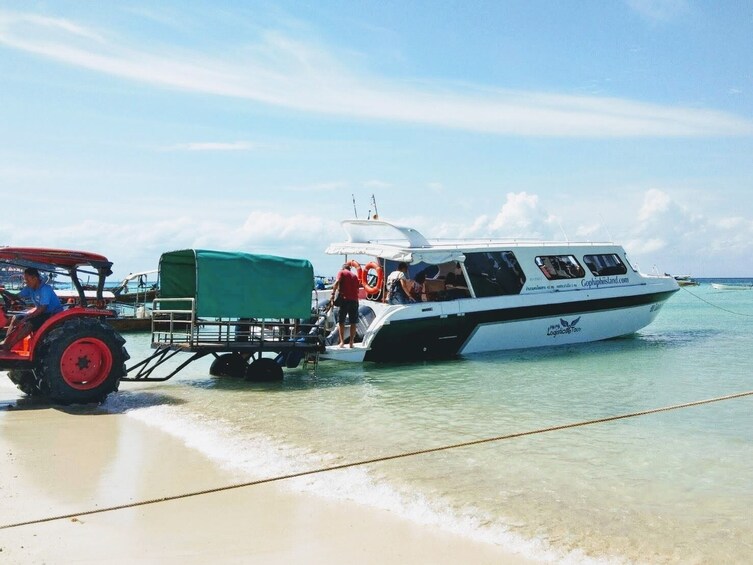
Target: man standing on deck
{"type": "Point", "coordinates": [347, 284]}
{"type": "Point", "coordinates": [46, 303]}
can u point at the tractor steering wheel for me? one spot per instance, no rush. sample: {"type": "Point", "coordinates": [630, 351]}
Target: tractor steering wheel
{"type": "Point", "coordinates": [6, 299]}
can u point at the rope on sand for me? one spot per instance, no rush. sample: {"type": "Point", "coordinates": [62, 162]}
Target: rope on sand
{"type": "Point", "coordinates": [76, 515]}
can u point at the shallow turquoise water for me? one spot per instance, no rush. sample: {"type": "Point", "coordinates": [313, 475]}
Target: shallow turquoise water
{"type": "Point", "coordinates": [672, 487]}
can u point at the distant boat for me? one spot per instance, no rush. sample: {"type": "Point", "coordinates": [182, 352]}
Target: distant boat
{"type": "Point", "coordinates": [731, 286]}
{"type": "Point", "coordinates": [131, 324]}
{"type": "Point", "coordinates": [685, 280]}
{"type": "Point", "coordinates": [137, 287]}
{"type": "Point", "coordinates": [132, 304]}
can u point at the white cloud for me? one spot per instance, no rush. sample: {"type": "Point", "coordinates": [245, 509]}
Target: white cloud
{"type": "Point", "coordinates": [659, 231]}
{"type": "Point", "coordinates": [217, 146]}
{"type": "Point", "coordinates": [655, 202]}
{"type": "Point", "coordinates": [521, 216]}
{"type": "Point", "coordinates": [658, 10]}
{"type": "Point", "coordinates": [517, 214]}
{"type": "Point", "coordinates": [376, 184]}
{"type": "Point", "coordinates": [305, 77]}
{"type": "Point", "coordinates": [733, 223]}
{"type": "Point", "coordinates": [671, 236]}
{"type": "Point", "coordinates": [318, 187]}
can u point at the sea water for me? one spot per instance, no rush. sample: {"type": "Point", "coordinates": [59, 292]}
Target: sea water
{"type": "Point", "coordinates": [669, 487]}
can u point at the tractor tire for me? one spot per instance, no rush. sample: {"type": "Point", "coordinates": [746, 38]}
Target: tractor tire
{"type": "Point", "coordinates": [264, 369]}
{"type": "Point", "coordinates": [81, 361]}
{"type": "Point", "coordinates": [26, 381]}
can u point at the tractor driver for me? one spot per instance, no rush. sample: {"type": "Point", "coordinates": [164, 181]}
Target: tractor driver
{"type": "Point", "coordinates": [46, 303]}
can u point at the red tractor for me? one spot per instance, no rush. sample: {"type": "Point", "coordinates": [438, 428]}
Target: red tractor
{"type": "Point", "coordinates": [75, 356]}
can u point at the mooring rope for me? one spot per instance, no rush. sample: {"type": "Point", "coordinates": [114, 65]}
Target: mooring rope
{"type": "Point", "coordinates": [716, 305]}
{"type": "Point", "coordinates": [375, 460]}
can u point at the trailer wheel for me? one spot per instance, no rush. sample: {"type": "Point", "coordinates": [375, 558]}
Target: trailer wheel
{"type": "Point", "coordinates": [80, 361]}
{"type": "Point", "coordinates": [264, 369]}
{"type": "Point", "coordinates": [229, 365]}
{"type": "Point", "coordinates": [26, 381]}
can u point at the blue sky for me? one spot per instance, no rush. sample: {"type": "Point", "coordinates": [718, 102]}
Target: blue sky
{"type": "Point", "coordinates": [133, 128]}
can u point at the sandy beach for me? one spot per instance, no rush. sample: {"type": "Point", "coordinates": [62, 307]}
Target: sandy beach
{"type": "Point", "coordinates": [57, 461]}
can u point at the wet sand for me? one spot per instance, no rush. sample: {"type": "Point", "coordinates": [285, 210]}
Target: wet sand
{"type": "Point", "coordinates": [56, 461]}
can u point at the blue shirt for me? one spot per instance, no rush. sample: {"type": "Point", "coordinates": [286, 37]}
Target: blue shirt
{"type": "Point", "coordinates": [43, 296]}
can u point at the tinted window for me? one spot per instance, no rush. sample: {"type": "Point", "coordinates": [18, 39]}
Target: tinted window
{"type": "Point", "coordinates": [604, 265]}
{"type": "Point", "coordinates": [494, 273]}
{"type": "Point", "coordinates": [557, 267]}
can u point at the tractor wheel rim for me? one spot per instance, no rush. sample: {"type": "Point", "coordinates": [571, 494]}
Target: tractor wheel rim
{"type": "Point", "coordinates": [86, 363]}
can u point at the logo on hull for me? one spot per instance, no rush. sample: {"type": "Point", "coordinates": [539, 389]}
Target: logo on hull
{"type": "Point", "coordinates": [564, 327]}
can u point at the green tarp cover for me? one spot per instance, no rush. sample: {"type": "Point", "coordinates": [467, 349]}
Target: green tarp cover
{"type": "Point", "coordinates": [237, 285]}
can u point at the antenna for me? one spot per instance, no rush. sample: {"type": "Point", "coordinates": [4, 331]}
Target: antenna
{"type": "Point", "coordinates": [354, 205]}
{"type": "Point", "coordinates": [376, 212]}
{"type": "Point", "coordinates": [563, 230]}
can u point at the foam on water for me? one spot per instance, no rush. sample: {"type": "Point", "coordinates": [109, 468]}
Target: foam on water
{"type": "Point", "coordinates": [256, 456]}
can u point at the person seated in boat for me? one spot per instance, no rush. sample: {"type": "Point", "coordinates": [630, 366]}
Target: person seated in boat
{"type": "Point", "coordinates": [46, 303]}
{"type": "Point", "coordinates": [347, 285]}
{"type": "Point", "coordinates": [417, 287]}
{"type": "Point", "coordinates": [455, 286]}
{"type": "Point", "coordinates": [399, 286]}
{"type": "Point", "coordinates": [546, 267]}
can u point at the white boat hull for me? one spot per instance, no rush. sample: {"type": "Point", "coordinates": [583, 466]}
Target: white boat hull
{"type": "Point", "coordinates": [463, 327]}
{"type": "Point", "coordinates": [558, 330]}
{"type": "Point", "coordinates": [492, 295]}
{"type": "Point", "coordinates": [722, 286]}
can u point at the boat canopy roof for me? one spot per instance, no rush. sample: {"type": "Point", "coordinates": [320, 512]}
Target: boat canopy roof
{"type": "Point", "coordinates": [53, 259]}
{"type": "Point", "coordinates": [134, 276]}
{"type": "Point", "coordinates": [429, 256]}
{"type": "Point", "coordinates": [399, 243]}
{"type": "Point", "coordinates": [390, 241]}
{"type": "Point", "coordinates": [229, 284]}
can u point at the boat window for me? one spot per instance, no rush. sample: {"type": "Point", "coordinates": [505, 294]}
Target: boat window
{"type": "Point", "coordinates": [557, 267]}
{"type": "Point", "coordinates": [633, 266]}
{"type": "Point", "coordinates": [606, 264]}
{"type": "Point", "coordinates": [494, 273]}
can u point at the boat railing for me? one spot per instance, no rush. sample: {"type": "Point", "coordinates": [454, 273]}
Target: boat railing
{"type": "Point", "coordinates": [376, 247]}
{"type": "Point", "coordinates": [454, 244]}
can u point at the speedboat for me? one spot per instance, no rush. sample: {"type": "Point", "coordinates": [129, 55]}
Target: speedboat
{"type": "Point", "coordinates": [731, 286]}
{"type": "Point", "coordinates": [490, 295]}
{"type": "Point", "coordinates": [686, 280]}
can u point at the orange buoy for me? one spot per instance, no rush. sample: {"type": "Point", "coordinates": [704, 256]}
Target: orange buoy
{"type": "Point", "coordinates": [373, 265]}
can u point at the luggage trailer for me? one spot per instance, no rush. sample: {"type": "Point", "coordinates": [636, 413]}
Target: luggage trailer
{"type": "Point", "coordinates": [237, 344]}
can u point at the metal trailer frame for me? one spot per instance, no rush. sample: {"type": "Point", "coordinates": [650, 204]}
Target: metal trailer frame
{"type": "Point", "coordinates": [182, 331]}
